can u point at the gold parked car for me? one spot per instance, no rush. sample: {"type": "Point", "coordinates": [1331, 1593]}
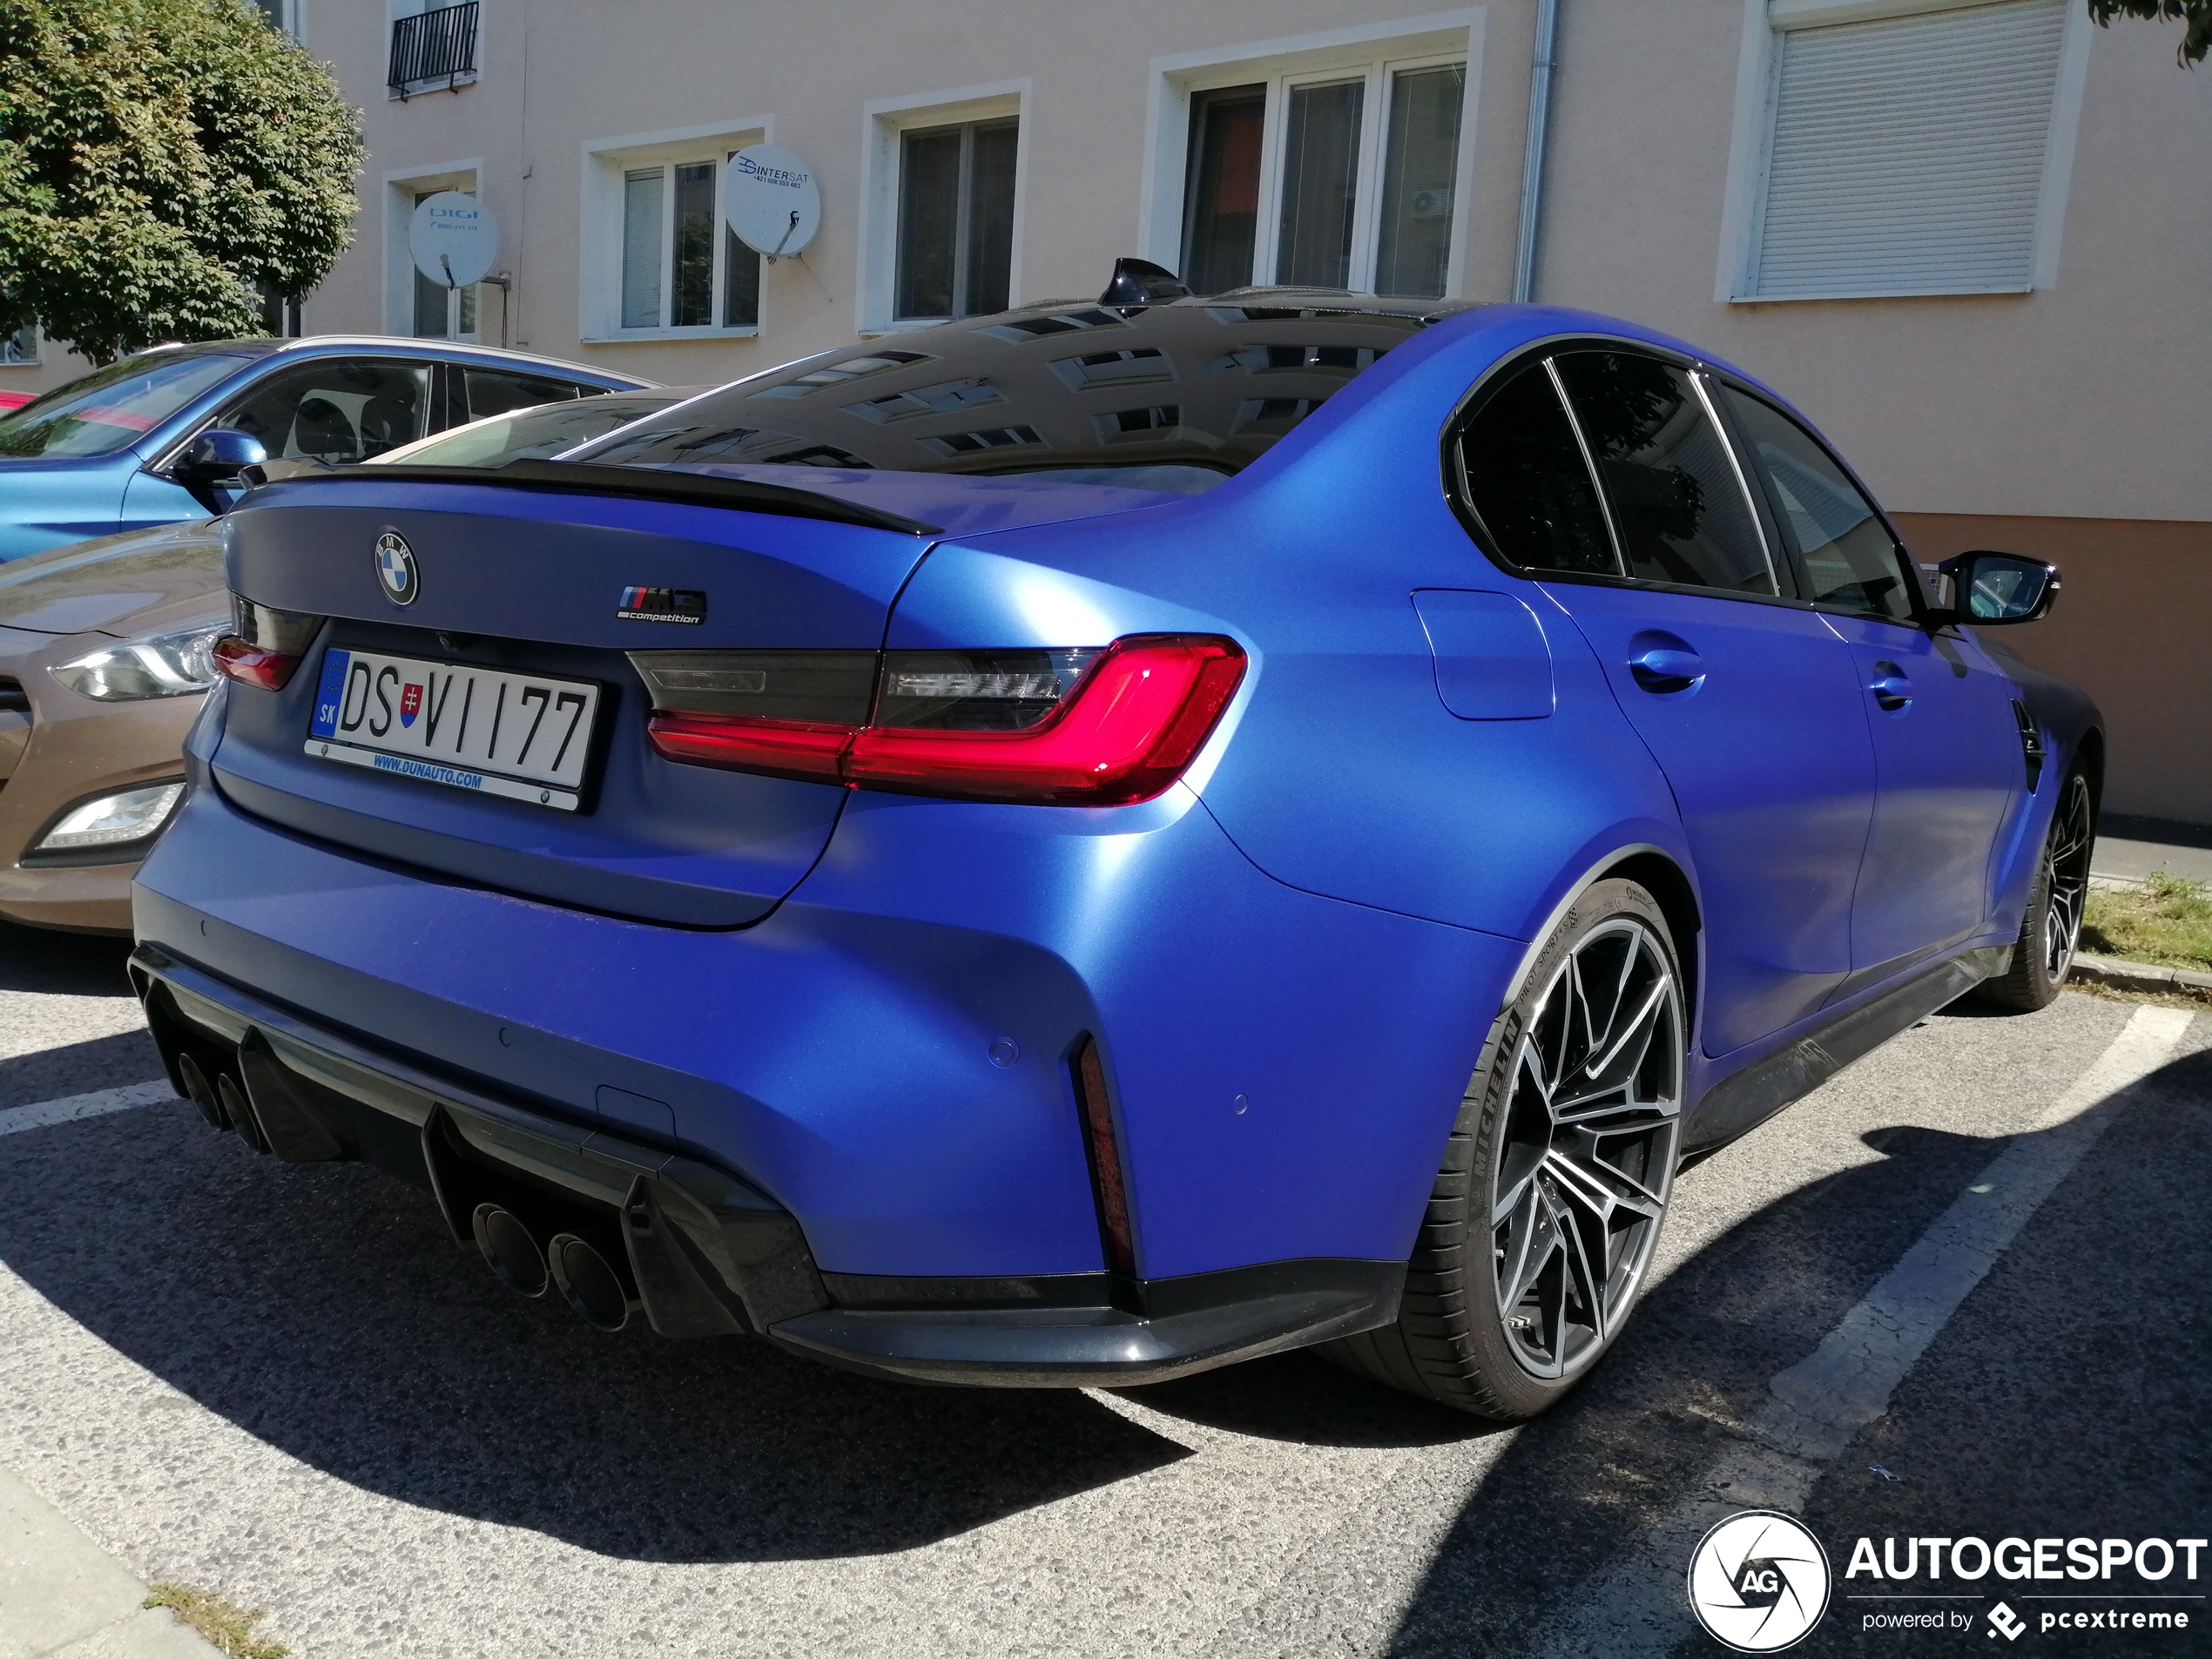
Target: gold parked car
{"type": "Point", "coordinates": [103, 664]}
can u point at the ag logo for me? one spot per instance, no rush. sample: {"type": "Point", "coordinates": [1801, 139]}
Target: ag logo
{"type": "Point", "coordinates": [1758, 1582]}
{"type": "Point", "coordinates": [396, 567]}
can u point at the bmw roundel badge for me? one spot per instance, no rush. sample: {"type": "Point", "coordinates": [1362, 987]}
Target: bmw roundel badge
{"type": "Point", "coordinates": [396, 567]}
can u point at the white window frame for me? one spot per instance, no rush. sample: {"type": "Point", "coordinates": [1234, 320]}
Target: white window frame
{"type": "Point", "coordinates": [1757, 85]}
{"type": "Point", "coordinates": [883, 122]}
{"type": "Point", "coordinates": [36, 359]}
{"type": "Point", "coordinates": [1376, 51]}
{"type": "Point", "coordinates": [396, 10]}
{"type": "Point", "coordinates": [400, 188]}
{"type": "Point", "coordinates": [606, 162]}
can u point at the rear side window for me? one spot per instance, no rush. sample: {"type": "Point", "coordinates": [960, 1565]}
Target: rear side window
{"type": "Point", "coordinates": [494, 391]}
{"type": "Point", "coordinates": [1526, 482]}
{"type": "Point", "coordinates": [1838, 537]}
{"type": "Point", "coordinates": [1677, 503]}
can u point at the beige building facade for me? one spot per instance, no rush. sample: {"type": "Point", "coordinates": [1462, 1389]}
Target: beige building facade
{"type": "Point", "coordinates": [1972, 241]}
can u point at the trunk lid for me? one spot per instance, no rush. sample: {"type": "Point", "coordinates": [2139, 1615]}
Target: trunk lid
{"type": "Point", "coordinates": [513, 580]}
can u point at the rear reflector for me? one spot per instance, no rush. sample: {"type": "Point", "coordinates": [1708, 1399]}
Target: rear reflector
{"type": "Point", "coordinates": [265, 646]}
{"type": "Point", "coordinates": [1075, 727]}
{"type": "Point", "coordinates": [1102, 1151]}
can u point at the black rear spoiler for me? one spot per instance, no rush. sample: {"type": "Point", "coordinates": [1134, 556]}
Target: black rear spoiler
{"type": "Point", "coordinates": [586, 478]}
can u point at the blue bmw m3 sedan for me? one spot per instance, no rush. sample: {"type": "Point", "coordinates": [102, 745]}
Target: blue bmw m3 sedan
{"type": "Point", "coordinates": [1088, 843]}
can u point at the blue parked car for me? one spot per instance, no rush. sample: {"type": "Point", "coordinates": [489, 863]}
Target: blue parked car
{"type": "Point", "coordinates": [1086, 844]}
{"type": "Point", "coordinates": [115, 450]}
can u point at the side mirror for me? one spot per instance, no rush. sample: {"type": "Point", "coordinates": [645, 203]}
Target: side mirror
{"type": "Point", "coordinates": [216, 457]}
{"type": "Point", "coordinates": [1991, 589]}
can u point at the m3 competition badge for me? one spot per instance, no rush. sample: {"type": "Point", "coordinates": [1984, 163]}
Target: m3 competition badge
{"type": "Point", "coordinates": [661, 604]}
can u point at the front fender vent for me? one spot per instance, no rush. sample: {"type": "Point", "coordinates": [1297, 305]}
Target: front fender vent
{"type": "Point", "coordinates": [2032, 748]}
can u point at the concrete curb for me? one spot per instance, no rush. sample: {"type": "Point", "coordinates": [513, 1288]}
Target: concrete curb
{"type": "Point", "coordinates": [2116, 975]}
{"type": "Point", "coordinates": [62, 1596]}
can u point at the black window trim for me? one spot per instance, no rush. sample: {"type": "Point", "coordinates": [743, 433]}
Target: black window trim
{"type": "Point", "coordinates": [1786, 565]}
{"type": "Point", "coordinates": [1914, 586]}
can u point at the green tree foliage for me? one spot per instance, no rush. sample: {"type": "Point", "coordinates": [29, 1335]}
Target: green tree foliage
{"type": "Point", "coordinates": [160, 160]}
{"type": "Point", "coordinates": [2196, 39]}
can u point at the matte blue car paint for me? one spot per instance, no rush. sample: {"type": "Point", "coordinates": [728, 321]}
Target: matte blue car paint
{"type": "Point", "coordinates": [839, 1052]}
{"type": "Point", "coordinates": [1493, 662]}
{"type": "Point", "coordinates": [1322, 920]}
{"type": "Point", "coordinates": [1947, 769]}
{"type": "Point", "coordinates": [1774, 774]}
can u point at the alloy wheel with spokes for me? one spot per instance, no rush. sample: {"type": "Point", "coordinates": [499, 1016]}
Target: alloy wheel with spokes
{"type": "Point", "coordinates": [2065, 877]}
{"type": "Point", "coordinates": [1581, 1171]}
{"type": "Point", "coordinates": [1540, 1229]}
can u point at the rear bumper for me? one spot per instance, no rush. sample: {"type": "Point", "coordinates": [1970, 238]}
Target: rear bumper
{"type": "Point", "coordinates": [710, 1253]}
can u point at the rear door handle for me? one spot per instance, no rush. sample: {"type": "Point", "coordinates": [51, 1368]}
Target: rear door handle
{"type": "Point", "coordinates": [1662, 669]}
{"type": "Point", "coordinates": [1890, 688]}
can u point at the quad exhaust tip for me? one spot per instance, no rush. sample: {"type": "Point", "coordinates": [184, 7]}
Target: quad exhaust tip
{"type": "Point", "coordinates": [508, 1250]}
{"type": "Point", "coordinates": [587, 1283]}
{"type": "Point", "coordinates": [199, 1091]}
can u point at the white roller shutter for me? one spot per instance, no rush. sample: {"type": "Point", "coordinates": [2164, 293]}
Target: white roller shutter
{"type": "Point", "coordinates": [1907, 153]}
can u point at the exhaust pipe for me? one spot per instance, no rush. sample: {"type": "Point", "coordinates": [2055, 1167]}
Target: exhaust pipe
{"type": "Point", "coordinates": [510, 1250]}
{"type": "Point", "coordinates": [199, 1091]}
{"type": "Point", "coordinates": [589, 1283]}
{"type": "Point", "coordinates": [239, 1110]}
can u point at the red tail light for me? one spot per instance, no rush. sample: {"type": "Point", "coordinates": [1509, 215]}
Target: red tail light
{"type": "Point", "coordinates": [267, 645]}
{"type": "Point", "coordinates": [1088, 728]}
{"type": "Point", "coordinates": [741, 743]}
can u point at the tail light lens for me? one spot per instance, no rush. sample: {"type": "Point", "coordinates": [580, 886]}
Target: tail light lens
{"type": "Point", "coordinates": [789, 713]}
{"type": "Point", "coordinates": [266, 645]}
{"type": "Point", "coordinates": [1078, 727]}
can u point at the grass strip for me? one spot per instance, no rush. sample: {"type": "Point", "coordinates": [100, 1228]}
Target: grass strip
{"type": "Point", "coordinates": [2166, 922]}
{"type": "Point", "coordinates": [229, 1626]}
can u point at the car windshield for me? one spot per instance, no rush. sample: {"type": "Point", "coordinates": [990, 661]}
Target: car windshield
{"type": "Point", "coordinates": [1166, 398]}
{"type": "Point", "coordinates": [527, 435]}
{"type": "Point", "coordinates": [114, 407]}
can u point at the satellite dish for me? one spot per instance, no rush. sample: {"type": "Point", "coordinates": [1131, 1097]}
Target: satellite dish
{"type": "Point", "coordinates": [453, 239]}
{"type": "Point", "coordinates": [774, 206]}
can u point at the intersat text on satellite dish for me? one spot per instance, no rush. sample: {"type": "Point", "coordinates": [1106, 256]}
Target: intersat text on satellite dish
{"type": "Point", "coordinates": [789, 178]}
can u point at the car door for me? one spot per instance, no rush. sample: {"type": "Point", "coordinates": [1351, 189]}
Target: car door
{"type": "Point", "coordinates": [1946, 742]}
{"type": "Point", "coordinates": [1745, 697]}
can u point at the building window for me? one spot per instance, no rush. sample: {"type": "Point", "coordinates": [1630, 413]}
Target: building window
{"type": "Point", "coordinates": [682, 266]}
{"type": "Point", "coordinates": [19, 350]}
{"type": "Point", "coordinates": [1344, 180]}
{"type": "Point", "coordinates": [955, 219]}
{"type": "Point", "coordinates": [441, 313]}
{"type": "Point", "coordinates": [1906, 155]}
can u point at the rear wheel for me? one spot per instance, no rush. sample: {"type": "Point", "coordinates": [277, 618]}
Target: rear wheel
{"type": "Point", "coordinates": [1542, 1222]}
{"type": "Point", "coordinates": [2051, 928]}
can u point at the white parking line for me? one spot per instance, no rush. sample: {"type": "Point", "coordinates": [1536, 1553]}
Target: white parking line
{"type": "Point", "coordinates": [1637, 1605]}
{"type": "Point", "coordinates": [16, 1119]}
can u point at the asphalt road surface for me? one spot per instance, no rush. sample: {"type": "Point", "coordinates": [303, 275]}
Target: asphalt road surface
{"type": "Point", "coordinates": [286, 1385]}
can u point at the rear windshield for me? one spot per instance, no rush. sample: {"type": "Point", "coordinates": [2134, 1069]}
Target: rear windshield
{"type": "Point", "coordinates": [113, 407]}
{"type": "Point", "coordinates": [527, 435]}
{"type": "Point", "coordinates": [1172, 398]}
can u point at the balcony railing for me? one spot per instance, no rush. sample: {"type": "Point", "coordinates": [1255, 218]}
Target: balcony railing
{"type": "Point", "coordinates": [433, 46]}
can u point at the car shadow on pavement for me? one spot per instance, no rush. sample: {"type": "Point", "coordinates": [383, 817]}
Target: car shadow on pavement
{"type": "Point", "coordinates": [1638, 1439]}
{"type": "Point", "coordinates": [39, 959]}
{"type": "Point", "coordinates": [325, 1309]}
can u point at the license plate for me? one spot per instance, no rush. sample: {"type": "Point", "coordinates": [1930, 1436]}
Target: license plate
{"type": "Point", "coordinates": [521, 736]}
